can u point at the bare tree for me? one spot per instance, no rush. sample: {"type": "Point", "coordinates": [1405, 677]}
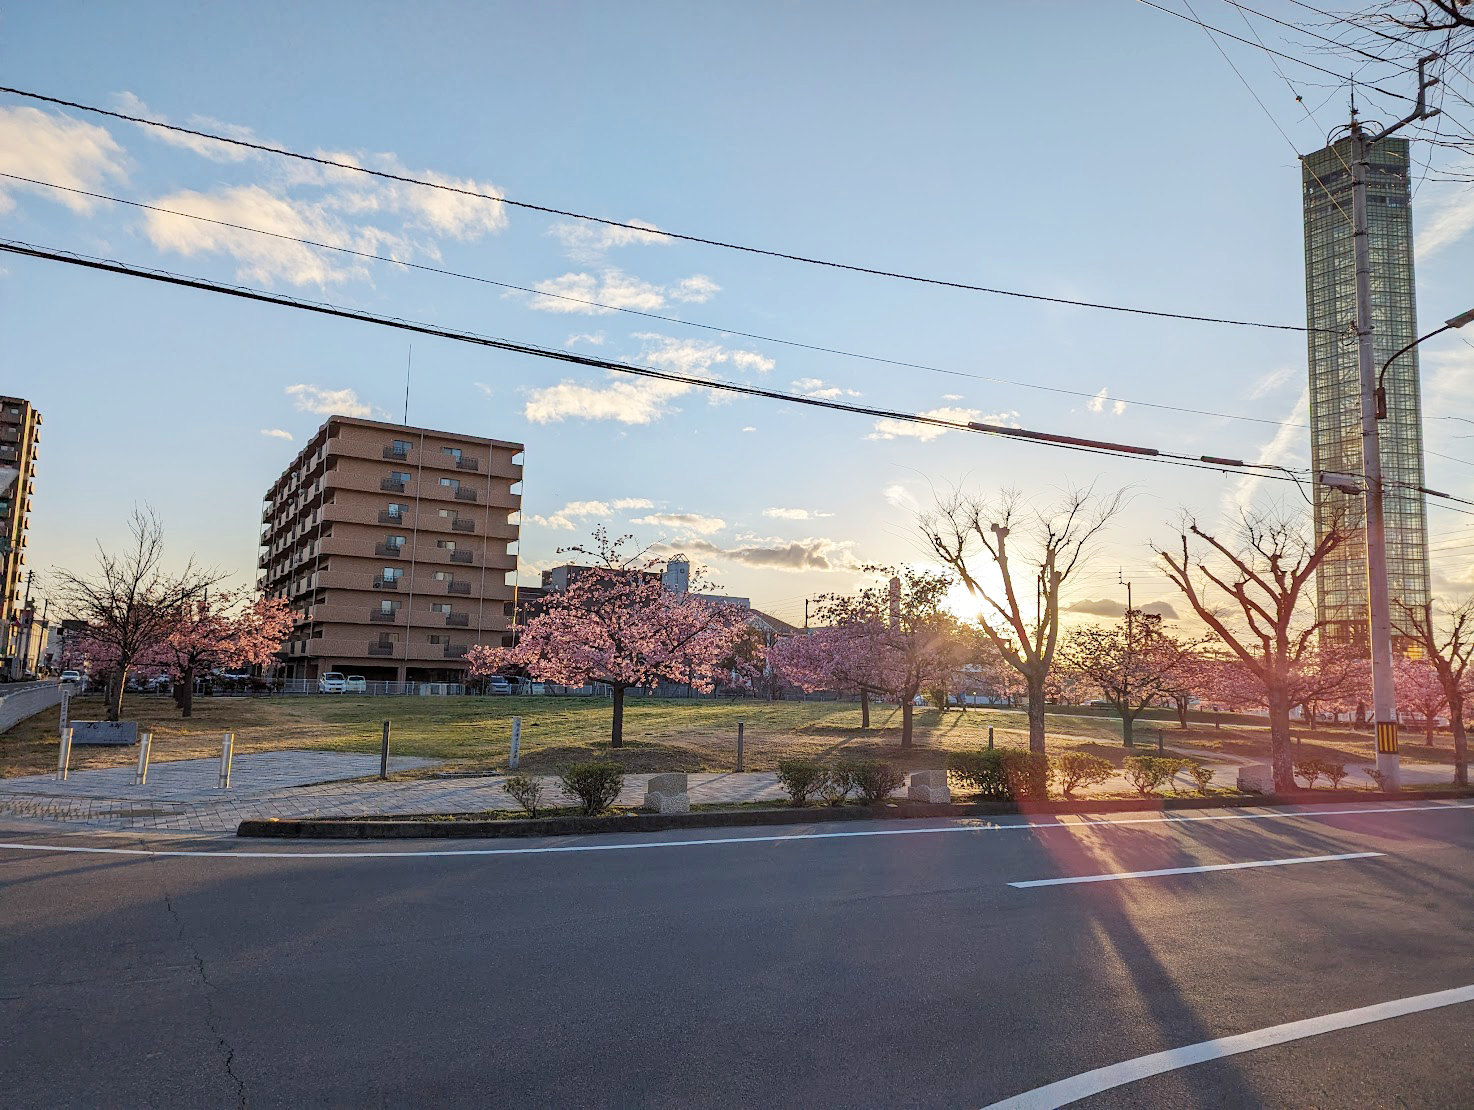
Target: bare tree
{"type": "Point", "coordinates": [1447, 640]}
{"type": "Point", "coordinates": [130, 603]}
{"type": "Point", "coordinates": [1265, 574]}
{"type": "Point", "coordinates": [975, 537]}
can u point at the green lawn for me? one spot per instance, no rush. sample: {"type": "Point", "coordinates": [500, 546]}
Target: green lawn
{"type": "Point", "coordinates": [660, 734]}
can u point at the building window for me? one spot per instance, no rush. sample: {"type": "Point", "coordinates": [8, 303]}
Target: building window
{"type": "Point", "coordinates": [395, 509]}
{"type": "Point", "coordinates": [400, 476]}
{"type": "Point", "coordinates": [394, 541]}
{"type": "Point", "coordinates": [443, 576]}
{"type": "Point", "coordinates": [448, 545]}
{"type": "Point", "coordinates": [392, 574]}
{"type": "Point", "coordinates": [436, 639]}
{"type": "Point", "coordinates": [402, 446]}
{"type": "Point", "coordinates": [453, 452]}
{"type": "Point", "coordinates": [440, 607]}
{"type": "Point", "coordinates": [452, 484]}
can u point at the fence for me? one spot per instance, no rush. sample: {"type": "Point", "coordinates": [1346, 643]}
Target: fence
{"type": "Point", "coordinates": [16, 707]}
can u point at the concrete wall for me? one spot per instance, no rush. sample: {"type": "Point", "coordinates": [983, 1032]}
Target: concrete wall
{"type": "Point", "coordinates": [15, 707]}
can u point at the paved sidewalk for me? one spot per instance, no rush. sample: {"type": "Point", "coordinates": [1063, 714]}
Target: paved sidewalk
{"type": "Point", "coordinates": [181, 796]}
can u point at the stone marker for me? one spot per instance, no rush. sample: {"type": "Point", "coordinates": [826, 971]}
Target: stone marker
{"type": "Point", "coordinates": [929, 786]}
{"type": "Point", "coordinates": [1257, 777]}
{"type": "Point", "coordinates": [667, 794]}
{"type": "Point", "coordinates": [104, 732]}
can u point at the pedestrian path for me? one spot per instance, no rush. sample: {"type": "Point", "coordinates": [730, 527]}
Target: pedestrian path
{"type": "Point", "coordinates": [182, 796]}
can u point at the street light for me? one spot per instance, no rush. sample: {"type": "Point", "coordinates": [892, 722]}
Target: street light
{"type": "Point", "coordinates": [1448, 325]}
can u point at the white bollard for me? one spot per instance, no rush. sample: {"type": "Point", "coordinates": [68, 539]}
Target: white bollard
{"type": "Point", "coordinates": [64, 756]}
{"type": "Point", "coordinates": [516, 755]}
{"type": "Point", "coordinates": [145, 746]}
{"type": "Point", "coordinates": [227, 753]}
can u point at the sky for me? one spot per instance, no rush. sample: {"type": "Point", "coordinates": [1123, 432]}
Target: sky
{"type": "Point", "coordinates": [1116, 157]}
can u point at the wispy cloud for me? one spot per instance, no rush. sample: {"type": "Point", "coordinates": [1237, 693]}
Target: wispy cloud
{"type": "Point", "coordinates": [902, 498]}
{"type": "Point", "coordinates": [1272, 381]}
{"type": "Point", "coordinates": [795, 514]}
{"type": "Point", "coordinates": [593, 339]}
{"type": "Point", "coordinates": [328, 402]}
{"type": "Point", "coordinates": [212, 149]}
{"type": "Point", "coordinates": [587, 242]}
{"type": "Point", "coordinates": [572, 514]}
{"type": "Point", "coordinates": [484, 389]}
{"type": "Point", "coordinates": [1446, 217]}
{"type": "Point", "coordinates": [812, 554]}
{"type": "Point", "coordinates": [685, 522]}
{"type": "Point", "coordinates": [276, 433]}
{"type": "Point", "coordinates": [815, 387]}
{"type": "Point", "coordinates": [611, 289]}
{"type": "Point", "coordinates": [57, 149]}
{"type": "Point", "coordinates": [1287, 449]}
{"type": "Point", "coordinates": [898, 429]}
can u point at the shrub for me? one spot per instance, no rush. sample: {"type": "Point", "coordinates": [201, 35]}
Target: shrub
{"type": "Point", "coordinates": [873, 779]}
{"type": "Point", "coordinates": [526, 791]}
{"type": "Point", "coordinates": [595, 785]}
{"type": "Point", "coordinates": [1202, 775]}
{"type": "Point", "coordinates": [1309, 770]}
{"type": "Point", "coordinates": [1002, 773]}
{"type": "Point", "coordinates": [1146, 773]}
{"type": "Point", "coordinates": [1335, 772]}
{"type": "Point", "coordinates": [801, 778]}
{"type": "Point", "coordinates": [1378, 777]}
{"type": "Point", "coordinates": [1077, 769]}
{"type": "Point", "coordinates": [836, 785]}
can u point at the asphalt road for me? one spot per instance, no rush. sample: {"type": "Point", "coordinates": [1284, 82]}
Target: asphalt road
{"type": "Point", "coordinates": [841, 970]}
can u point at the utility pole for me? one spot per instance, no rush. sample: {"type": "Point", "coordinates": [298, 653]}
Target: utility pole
{"type": "Point", "coordinates": [1379, 614]}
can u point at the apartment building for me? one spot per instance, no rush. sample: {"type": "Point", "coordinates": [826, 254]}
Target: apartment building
{"type": "Point", "coordinates": [396, 547]}
{"type": "Point", "coordinates": [20, 437]}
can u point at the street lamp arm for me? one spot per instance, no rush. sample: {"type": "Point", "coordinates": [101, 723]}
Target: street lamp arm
{"type": "Point", "coordinates": [1453, 322]}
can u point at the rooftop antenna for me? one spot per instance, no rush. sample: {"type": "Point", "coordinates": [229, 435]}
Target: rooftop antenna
{"type": "Point", "coordinates": [408, 365]}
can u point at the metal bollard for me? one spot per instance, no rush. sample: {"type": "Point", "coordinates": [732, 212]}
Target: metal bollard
{"type": "Point", "coordinates": [990, 737]}
{"type": "Point", "coordinates": [515, 756]}
{"type": "Point", "coordinates": [145, 749]}
{"type": "Point", "coordinates": [64, 756]}
{"type": "Point", "coordinates": [227, 753]}
{"type": "Point", "coordinates": [384, 754]}
{"type": "Point", "coordinates": [739, 745]}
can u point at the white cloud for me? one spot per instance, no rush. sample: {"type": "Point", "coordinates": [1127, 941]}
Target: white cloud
{"type": "Point", "coordinates": [484, 389]}
{"type": "Point", "coordinates": [593, 339]}
{"type": "Point", "coordinates": [578, 510]}
{"type": "Point", "coordinates": [688, 522]}
{"type": "Point", "coordinates": [749, 428]}
{"type": "Point", "coordinates": [897, 429]}
{"type": "Point", "coordinates": [751, 360]}
{"type": "Point", "coordinates": [794, 514]}
{"type": "Point", "coordinates": [951, 396]}
{"type": "Point", "coordinates": [57, 149]}
{"type": "Point", "coordinates": [1273, 381]}
{"type": "Point", "coordinates": [899, 496]}
{"type": "Point", "coordinates": [1287, 448]}
{"type": "Point", "coordinates": [1445, 219]}
{"type": "Point", "coordinates": [328, 402]}
{"type": "Point", "coordinates": [212, 149]}
{"type": "Point", "coordinates": [811, 554]}
{"type": "Point", "coordinates": [1097, 403]}
{"type": "Point", "coordinates": [614, 289]}
{"type": "Point", "coordinates": [586, 242]}
{"type": "Point", "coordinates": [276, 433]}
{"type": "Point", "coordinates": [815, 387]}
{"type": "Point", "coordinates": [1118, 407]}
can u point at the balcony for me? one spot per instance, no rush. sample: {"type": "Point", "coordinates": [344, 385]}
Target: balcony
{"type": "Point", "coordinates": [461, 556]}
{"type": "Point", "coordinates": [391, 485]}
{"type": "Point", "coordinates": [465, 495]}
{"type": "Point", "coordinates": [468, 464]}
{"type": "Point", "coordinates": [387, 583]}
{"type": "Point", "coordinates": [381, 649]}
{"type": "Point", "coordinates": [395, 453]}
{"type": "Point", "coordinates": [463, 526]}
{"type": "Point", "coordinates": [391, 550]}
{"type": "Point", "coordinates": [457, 620]}
{"type": "Point", "coordinates": [386, 517]}
{"type": "Point", "coordinates": [455, 651]}
{"type": "Point", "coordinates": [462, 588]}
{"type": "Point", "coordinates": [383, 616]}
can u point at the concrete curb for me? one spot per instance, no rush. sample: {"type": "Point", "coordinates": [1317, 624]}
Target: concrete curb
{"type": "Point", "coordinates": [449, 826]}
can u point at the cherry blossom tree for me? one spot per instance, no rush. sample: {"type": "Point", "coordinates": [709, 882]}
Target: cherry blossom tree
{"type": "Point", "coordinates": [1132, 664]}
{"type": "Point", "coordinates": [224, 631]}
{"type": "Point", "coordinates": [617, 624]}
{"type": "Point", "coordinates": [1264, 572]}
{"type": "Point", "coordinates": [838, 657]}
{"type": "Point", "coordinates": [1027, 550]}
{"type": "Point", "coordinates": [1446, 636]}
{"type": "Point", "coordinates": [130, 602]}
{"type": "Point", "coordinates": [1420, 692]}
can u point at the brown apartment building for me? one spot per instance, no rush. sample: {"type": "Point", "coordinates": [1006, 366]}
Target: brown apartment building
{"type": "Point", "coordinates": [20, 437]}
{"type": "Point", "coordinates": [397, 548]}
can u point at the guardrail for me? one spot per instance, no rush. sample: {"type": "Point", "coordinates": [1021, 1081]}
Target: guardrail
{"type": "Point", "coordinates": [19, 705]}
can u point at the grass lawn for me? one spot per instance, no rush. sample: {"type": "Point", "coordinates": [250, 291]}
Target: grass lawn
{"type": "Point", "coordinates": [473, 734]}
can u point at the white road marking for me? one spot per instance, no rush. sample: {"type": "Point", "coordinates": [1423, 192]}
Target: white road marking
{"type": "Point", "coordinates": [641, 845]}
{"type": "Point", "coordinates": [1190, 870]}
{"type": "Point", "coordinates": [1094, 1082]}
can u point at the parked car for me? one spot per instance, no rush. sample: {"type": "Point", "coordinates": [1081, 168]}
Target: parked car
{"type": "Point", "coordinates": [332, 682]}
{"type": "Point", "coordinates": [496, 684]}
{"type": "Point", "coordinates": [355, 684]}
{"type": "Point", "coordinates": [71, 676]}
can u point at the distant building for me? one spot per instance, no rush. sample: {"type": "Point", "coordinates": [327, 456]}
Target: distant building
{"type": "Point", "coordinates": [20, 438]}
{"type": "Point", "coordinates": [395, 547]}
{"type": "Point", "coordinates": [676, 578]}
{"type": "Point", "coordinates": [1335, 380]}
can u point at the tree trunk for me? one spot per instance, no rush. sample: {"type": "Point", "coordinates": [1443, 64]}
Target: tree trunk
{"type": "Point", "coordinates": [1280, 756]}
{"type": "Point", "coordinates": [185, 696]}
{"type": "Point", "coordinates": [115, 684]}
{"type": "Point", "coordinates": [1036, 713]}
{"type": "Point", "coordinates": [1128, 720]}
{"type": "Point", "coordinates": [1461, 743]}
{"type": "Point", "coordinates": [1181, 711]}
{"type": "Point", "coordinates": [906, 713]}
{"type": "Point", "coordinates": [864, 707]}
{"type": "Point", "coordinates": [616, 730]}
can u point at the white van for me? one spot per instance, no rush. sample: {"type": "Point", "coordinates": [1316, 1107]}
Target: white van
{"type": "Point", "coordinates": [332, 682]}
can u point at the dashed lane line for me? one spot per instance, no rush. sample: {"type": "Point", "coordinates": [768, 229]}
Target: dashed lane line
{"type": "Point", "coordinates": [1160, 872]}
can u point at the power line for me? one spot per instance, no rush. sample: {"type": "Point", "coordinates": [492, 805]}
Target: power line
{"type": "Point", "coordinates": [632, 311]}
{"type": "Point", "coordinates": [1242, 80]}
{"type": "Point", "coordinates": [687, 238]}
{"type": "Point", "coordinates": [1094, 447]}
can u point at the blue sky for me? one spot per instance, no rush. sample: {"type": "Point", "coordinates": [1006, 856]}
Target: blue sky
{"type": "Point", "coordinates": [1112, 157]}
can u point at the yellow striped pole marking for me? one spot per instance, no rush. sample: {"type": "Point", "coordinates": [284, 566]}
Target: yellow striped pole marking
{"type": "Point", "coordinates": [1387, 736]}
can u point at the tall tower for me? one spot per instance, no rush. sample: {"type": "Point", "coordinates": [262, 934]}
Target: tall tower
{"type": "Point", "coordinates": [20, 436]}
{"type": "Point", "coordinates": [1335, 383]}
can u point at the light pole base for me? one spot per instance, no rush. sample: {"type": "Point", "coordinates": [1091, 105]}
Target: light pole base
{"type": "Point", "coordinates": [1389, 764]}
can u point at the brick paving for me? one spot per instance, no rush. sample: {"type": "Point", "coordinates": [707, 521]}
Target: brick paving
{"type": "Point", "coordinates": [181, 796]}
